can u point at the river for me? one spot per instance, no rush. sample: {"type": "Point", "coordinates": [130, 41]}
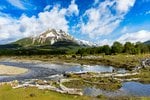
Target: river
{"type": "Point", "coordinates": [42, 70]}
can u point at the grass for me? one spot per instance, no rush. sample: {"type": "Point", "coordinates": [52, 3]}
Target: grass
{"type": "Point", "coordinates": [120, 60]}
{"type": "Point", "coordinates": [144, 75]}
{"type": "Point", "coordinates": [7, 93]}
{"type": "Point", "coordinates": [98, 82]}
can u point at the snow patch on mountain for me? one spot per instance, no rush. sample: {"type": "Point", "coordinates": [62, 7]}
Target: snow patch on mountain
{"type": "Point", "coordinates": [54, 36]}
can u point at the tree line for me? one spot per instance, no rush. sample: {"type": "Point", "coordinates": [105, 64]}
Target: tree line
{"type": "Point", "coordinates": [116, 48]}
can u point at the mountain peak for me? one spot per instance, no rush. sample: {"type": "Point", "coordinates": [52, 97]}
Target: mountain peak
{"type": "Point", "coordinates": [51, 36]}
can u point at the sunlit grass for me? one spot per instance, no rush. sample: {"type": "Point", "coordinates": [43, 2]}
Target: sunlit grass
{"type": "Point", "coordinates": [7, 93]}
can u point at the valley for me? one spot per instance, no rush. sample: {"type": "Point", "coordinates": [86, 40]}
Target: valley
{"type": "Point", "coordinates": [74, 49]}
{"type": "Point", "coordinates": [87, 75]}
{"type": "Point", "coordinates": [57, 63]}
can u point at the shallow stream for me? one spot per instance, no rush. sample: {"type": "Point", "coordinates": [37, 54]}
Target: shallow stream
{"type": "Point", "coordinates": [41, 70]}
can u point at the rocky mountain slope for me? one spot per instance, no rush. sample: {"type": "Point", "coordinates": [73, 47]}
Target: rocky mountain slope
{"type": "Point", "coordinates": [51, 37]}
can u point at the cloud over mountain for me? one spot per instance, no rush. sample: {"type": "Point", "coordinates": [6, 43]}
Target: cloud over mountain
{"type": "Point", "coordinates": [104, 17]}
{"type": "Point", "coordinates": [26, 26]}
{"type": "Point", "coordinates": [100, 21]}
{"type": "Point", "coordinates": [134, 37]}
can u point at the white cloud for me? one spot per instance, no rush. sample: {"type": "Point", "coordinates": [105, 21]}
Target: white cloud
{"type": "Point", "coordinates": [148, 12]}
{"type": "Point", "coordinates": [105, 42]}
{"type": "Point", "coordinates": [17, 3]}
{"type": "Point", "coordinates": [47, 8]}
{"type": "Point", "coordinates": [54, 19]}
{"type": "Point", "coordinates": [96, 2]}
{"type": "Point", "coordinates": [141, 36]}
{"type": "Point", "coordinates": [27, 26]}
{"type": "Point", "coordinates": [2, 7]}
{"type": "Point", "coordinates": [73, 8]}
{"type": "Point", "coordinates": [105, 17]}
{"type": "Point", "coordinates": [124, 29]}
{"type": "Point", "coordinates": [124, 5]}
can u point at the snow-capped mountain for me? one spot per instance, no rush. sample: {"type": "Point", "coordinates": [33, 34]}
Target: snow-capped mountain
{"type": "Point", "coordinates": [50, 37]}
{"type": "Point", "coordinates": [83, 42]}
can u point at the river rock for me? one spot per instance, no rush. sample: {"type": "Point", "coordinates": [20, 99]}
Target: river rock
{"type": "Point", "coordinates": [145, 63]}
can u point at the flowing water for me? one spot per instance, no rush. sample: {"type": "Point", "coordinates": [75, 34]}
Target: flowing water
{"type": "Point", "coordinates": [41, 70]}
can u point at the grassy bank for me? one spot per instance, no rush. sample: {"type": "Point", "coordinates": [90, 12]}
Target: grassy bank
{"type": "Point", "coordinates": [7, 93]}
{"type": "Point", "coordinates": [97, 82]}
{"type": "Point", "coordinates": [120, 60]}
{"type": "Point", "coordinates": [144, 76]}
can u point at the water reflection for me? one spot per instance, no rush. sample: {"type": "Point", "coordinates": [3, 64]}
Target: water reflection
{"type": "Point", "coordinates": [95, 68]}
{"type": "Point", "coordinates": [41, 70]}
{"type": "Point", "coordinates": [127, 89]}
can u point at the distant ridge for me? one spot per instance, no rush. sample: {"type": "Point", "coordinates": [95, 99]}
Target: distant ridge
{"type": "Point", "coordinates": [147, 42]}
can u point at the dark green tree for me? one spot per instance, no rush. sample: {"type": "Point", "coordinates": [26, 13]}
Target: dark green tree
{"type": "Point", "coordinates": [141, 47]}
{"type": "Point", "coordinates": [106, 49]}
{"type": "Point", "coordinates": [81, 52]}
{"type": "Point", "coordinates": [129, 48]}
{"type": "Point", "coordinates": [117, 47]}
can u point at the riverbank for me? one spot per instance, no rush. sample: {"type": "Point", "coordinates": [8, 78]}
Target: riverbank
{"type": "Point", "coordinates": [32, 93]}
{"type": "Point", "coordinates": [11, 70]}
{"type": "Point", "coordinates": [130, 62]}
{"type": "Point", "coordinates": [121, 60]}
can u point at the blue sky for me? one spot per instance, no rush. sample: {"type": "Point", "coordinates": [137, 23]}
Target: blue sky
{"type": "Point", "coordinates": [100, 21]}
